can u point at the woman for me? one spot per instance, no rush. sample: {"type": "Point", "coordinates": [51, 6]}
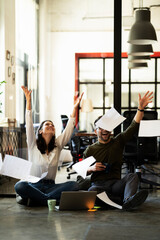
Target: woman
{"type": "Point", "coordinates": [44, 150]}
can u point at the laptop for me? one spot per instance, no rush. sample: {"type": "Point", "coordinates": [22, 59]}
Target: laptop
{"type": "Point", "coordinates": [77, 200]}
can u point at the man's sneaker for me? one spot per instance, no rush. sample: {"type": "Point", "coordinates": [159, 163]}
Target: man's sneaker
{"type": "Point", "coordinates": [135, 201]}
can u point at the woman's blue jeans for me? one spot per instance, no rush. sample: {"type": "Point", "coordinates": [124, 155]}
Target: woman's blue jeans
{"type": "Point", "coordinates": [44, 189]}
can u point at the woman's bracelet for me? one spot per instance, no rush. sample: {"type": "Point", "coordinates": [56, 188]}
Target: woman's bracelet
{"type": "Point", "coordinates": [141, 110]}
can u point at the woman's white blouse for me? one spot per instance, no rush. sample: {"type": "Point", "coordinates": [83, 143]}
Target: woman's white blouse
{"type": "Point", "coordinates": [42, 162]}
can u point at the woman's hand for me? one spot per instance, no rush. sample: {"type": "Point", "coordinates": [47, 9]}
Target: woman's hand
{"type": "Point", "coordinates": [143, 101]}
{"type": "Point", "coordinates": [26, 92]}
{"type": "Point", "coordinates": [28, 96]}
{"type": "Point", "coordinates": [76, 104]}
{"type": "Point", "coordinates": [78, 100]}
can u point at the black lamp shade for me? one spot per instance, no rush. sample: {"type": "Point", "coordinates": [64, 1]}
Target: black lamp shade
{"type": "Point", "coordinates": [138, 59]}
{"type": "Point", "coordinates": [142, 32]}
{"type": "Point", "coordinates": [132, 65]}
{"type": "Point", "coordinates": [140, 50]}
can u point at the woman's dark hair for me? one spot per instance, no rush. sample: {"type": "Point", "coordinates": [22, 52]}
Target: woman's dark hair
{"type": "Point", "coordinates": [41, 144]}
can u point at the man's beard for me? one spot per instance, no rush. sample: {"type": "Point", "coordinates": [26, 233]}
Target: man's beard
{"type": "Point", "coordinates": [105, 139]}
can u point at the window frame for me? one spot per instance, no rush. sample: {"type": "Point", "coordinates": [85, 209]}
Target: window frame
{"type": "Point", "coordinates": [110, 55]}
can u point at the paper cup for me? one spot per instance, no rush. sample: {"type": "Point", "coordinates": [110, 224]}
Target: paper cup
{"type": "Point", "coordinates": [51, 204]}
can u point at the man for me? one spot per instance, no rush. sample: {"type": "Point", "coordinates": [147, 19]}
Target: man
{"type": "Point", "coordinates": [108, 152]}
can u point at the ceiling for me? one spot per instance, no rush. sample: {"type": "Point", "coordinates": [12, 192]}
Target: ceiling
{"type": "Point", "coordinates": [96, 15]}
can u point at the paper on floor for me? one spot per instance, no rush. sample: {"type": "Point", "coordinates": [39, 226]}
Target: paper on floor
{"type": "Point", "coordinates": [103, 196]}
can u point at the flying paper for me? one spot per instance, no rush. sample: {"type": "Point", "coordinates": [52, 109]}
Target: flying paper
{"type": "Point", "coordinates": [18, 168]}
{"type": "Point", "coordinates": [82, 166]}
{"type": "Point", "coordinates": [15, 167]}
{"type": "Point", "coordinates": [149, 128]}
{"type": "Point", "coordinates": [110, 120]}
{"type": "Point", "coordinates": [1, 161]}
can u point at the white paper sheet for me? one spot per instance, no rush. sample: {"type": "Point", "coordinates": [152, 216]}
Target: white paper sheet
{"type": "Point", "coordinates": [103, 196]}
{"type": "Point", "coordinates": [18, 168]}
{"type": "Point", "coordinates": [15, 167]}
{"type": "Point", "coordinates": [31, 179]}
{"type": "Point", "coordinates": [110, 120]}
{"type": "Point", "coordinates": [82, 166]}
{"type": "Point", "coordinates": [0, 161]}
{"type": "Point", "coordinates": [34, 179]}
{"type": "Point", "coordinates": [149, 128]}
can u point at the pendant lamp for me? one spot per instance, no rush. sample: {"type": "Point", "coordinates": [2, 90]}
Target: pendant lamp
{"type": "Point", "coordinates": [142, 32]}
{"type": "Point", "coordinates": [138, 59]}
{"type": "Point", "coordinates": [86, 105]}
{"type": "Point", "coordinates": [132, 65]}
{"type": "Point", "coordinates": [140, 50]}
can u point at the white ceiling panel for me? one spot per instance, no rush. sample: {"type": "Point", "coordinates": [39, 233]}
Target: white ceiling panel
{"type": "Point", "coordinates": [96, 15]}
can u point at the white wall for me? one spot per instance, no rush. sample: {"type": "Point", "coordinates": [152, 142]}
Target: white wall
{"type": "Point", "coordinates": [10, 93]}
{"type": "Point", "coordinates": [2, 54]}
{"type": "Point", "coordinates": [8, 43]}
{"type": "Point", "coordinates": [59, 84]}
{"type": "Point", "coordinates": [57, 60]}
{"type": "Point", "coordinates": [60, 78]}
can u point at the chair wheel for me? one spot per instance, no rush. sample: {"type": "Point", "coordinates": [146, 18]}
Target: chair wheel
{"type": "Point", "coordinates": [68, 177]}
{"type": "Point", "coordinates": [67, 169]}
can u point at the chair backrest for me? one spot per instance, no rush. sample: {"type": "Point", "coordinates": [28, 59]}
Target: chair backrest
{"type": "Point", "coordinates": [141, 148]}
{"type": "Point", "coordinates": [78, 145]}
{"type": "Point", "coordinates": [75, 145]}
{"type": "Point", "coordinates": [12, 122]}
{"type": "Point", "coordinates": [64, 119]}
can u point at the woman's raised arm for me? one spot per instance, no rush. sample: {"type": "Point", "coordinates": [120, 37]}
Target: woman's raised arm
{"type": "Point", "coordinates": [77, 102]}
{"type": "Point", "coordinates": [28, 97]}
{"type": "Point", "coordinates": [31, 139]}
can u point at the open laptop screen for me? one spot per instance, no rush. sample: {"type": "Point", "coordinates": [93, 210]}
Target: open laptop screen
{"type": "Point", "coordinates": [77, 200]}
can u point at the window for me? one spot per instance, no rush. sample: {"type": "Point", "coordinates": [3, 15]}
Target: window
{"type": "Point", "coordinates": [94, 77]}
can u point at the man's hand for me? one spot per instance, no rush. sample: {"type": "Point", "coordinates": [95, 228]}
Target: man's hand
{"type": "Point", "coordinates": [143, 101]}
{"type": "Point", "coordinates": [98, 166]}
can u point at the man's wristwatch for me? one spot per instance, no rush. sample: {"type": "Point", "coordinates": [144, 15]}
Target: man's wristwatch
{"type": "Point", "coordinates": [141, 110]}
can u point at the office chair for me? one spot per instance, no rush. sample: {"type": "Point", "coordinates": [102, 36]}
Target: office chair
{"type": "Point", "coordinates": [78, 145]}
{"type": "Point", "coordinates": [64, 119]}
{"type": "Point", "coordinates": [141, 152]}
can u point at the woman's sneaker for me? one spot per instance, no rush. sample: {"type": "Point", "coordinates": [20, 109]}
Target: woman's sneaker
{"type": "Point", "coordinates": [20, 200]}
{"type": "Point", "coordinates": [135, 201]}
